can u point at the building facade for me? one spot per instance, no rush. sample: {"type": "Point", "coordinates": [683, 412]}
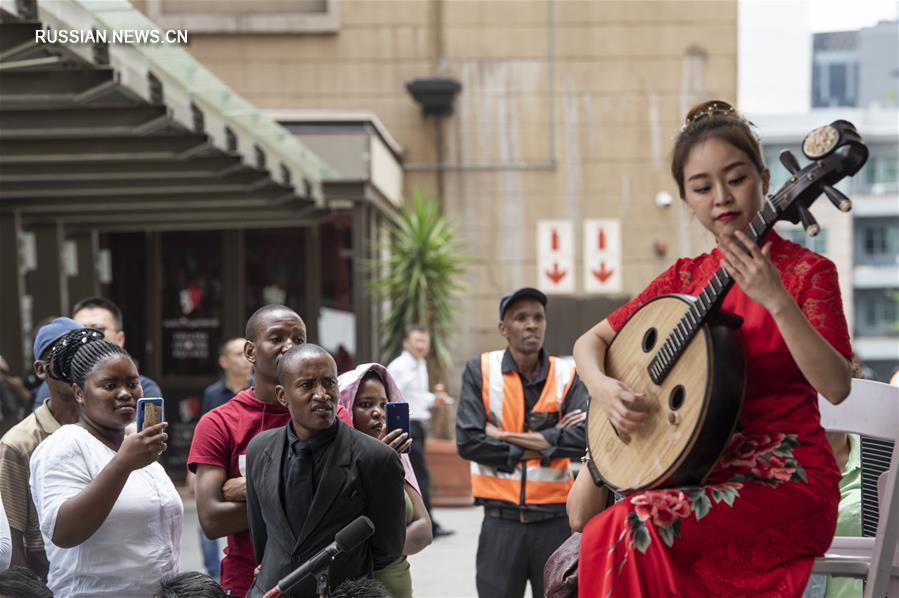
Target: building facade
{"type": "Point", "coordinates": [864, 244]}
{"type": "Point", "coordinates": [566, 112]}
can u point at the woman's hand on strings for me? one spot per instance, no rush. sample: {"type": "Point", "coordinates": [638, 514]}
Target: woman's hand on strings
{"type": "Point", "coordinates": [626, 408]}
{"type": "Point", "coordinates": [753, 271]}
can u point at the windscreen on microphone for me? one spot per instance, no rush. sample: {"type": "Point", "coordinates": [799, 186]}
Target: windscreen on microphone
{"type": "Point", "coordinates": [354, 534]}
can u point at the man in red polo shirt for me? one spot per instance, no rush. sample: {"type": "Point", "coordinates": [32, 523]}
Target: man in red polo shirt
{"type": "Point", "coordinates": [219, 448]}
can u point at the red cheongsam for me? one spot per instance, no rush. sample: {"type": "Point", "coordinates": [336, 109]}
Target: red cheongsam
{"type": "Point", "coordinates": [770, 505]}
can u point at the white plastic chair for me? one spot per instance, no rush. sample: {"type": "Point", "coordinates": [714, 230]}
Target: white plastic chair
{"type": "Point", "coordinates": [872, 409]}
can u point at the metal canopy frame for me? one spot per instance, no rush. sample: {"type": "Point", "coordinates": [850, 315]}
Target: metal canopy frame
{"type": "Point", "coordinates": [136, 134]}
{"type": "Point", "coordinates": [132, 138]}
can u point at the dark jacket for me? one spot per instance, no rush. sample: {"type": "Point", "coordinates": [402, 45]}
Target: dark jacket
{"type": "Point", "coordinates": [473, 443]}
{"type": "Point", "coordinates": [361, 476]}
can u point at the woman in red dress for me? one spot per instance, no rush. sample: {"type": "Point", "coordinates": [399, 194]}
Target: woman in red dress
{"type": "Point", "coordinates": [770, 505]}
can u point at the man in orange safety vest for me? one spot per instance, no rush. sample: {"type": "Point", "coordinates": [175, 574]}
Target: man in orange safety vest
{"type": "Point", "coordinates": [520, 422]}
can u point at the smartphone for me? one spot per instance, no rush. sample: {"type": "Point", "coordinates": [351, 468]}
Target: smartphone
{"type": "Point", "coordinates": [150, 411]}
{"type": "Point", "coordinates": [398, 418]}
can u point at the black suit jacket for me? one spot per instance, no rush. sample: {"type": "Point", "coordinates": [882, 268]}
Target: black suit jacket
{"type": "Point", "coordinates": [361, 476]}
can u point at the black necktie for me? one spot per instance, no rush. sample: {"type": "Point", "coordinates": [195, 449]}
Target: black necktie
{"type": "Point", "coordinates": [300, 489]}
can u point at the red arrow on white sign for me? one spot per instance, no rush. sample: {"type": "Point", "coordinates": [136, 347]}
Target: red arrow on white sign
{"type": "Point", "coordinates": [555, 256]}
{"type": "Point", "coordinates": [602, 274]}
{"type": "Point", "coordinates": [602, 256]}
{"type": "Point", "coordinates": [556, 275]}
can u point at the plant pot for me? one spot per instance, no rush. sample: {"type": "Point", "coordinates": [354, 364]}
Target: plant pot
{"type": "Point", "coordinates": [450, 474]}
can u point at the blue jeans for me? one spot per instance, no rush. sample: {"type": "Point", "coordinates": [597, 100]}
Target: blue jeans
{"type": "Point", "coordinates": [211, 554]}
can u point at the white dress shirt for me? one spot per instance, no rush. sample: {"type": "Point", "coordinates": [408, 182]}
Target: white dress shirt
{"type": "Point", "coordinates": [140, 541]}
{"type": "Point", "coordinates": [411, 376]}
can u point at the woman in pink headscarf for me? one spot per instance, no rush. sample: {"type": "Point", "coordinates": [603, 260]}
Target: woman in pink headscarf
{"type": "Point", "coordinates": [365, 392]}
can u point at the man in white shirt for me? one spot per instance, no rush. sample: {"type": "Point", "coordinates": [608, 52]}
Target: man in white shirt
{"type": "Point", "coordinates": [411, 374]}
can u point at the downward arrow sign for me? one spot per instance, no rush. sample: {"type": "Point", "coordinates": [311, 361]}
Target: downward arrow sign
{"type": "Point", "coordinates": [603, 274]}
{"type": "Point", "coordinates": [556, 274]}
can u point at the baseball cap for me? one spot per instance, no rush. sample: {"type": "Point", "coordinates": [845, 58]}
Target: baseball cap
{"type": "Point", "coordinates": [522, 293]}
{"type": "Point", "coordinates": [50, 333]}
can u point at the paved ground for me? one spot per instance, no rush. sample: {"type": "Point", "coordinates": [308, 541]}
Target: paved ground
{"type": "Point", "coordinates": [445, 569]}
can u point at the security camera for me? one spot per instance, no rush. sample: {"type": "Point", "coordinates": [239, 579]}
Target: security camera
{"type": "Point", "coordinates": [664, 199]}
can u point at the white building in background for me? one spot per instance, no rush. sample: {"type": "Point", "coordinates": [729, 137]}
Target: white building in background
{"type": "Point", "coordinates": [864, 243]}
{"type": "Point", "coordinates": [854, 76]}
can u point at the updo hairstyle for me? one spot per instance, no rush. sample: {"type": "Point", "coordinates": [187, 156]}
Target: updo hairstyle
{"type": "Point", "coordinates": [718, 119]}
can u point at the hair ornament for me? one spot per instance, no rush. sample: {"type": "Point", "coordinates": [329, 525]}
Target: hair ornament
{"type": "Point", "coordinates": [710, 109]}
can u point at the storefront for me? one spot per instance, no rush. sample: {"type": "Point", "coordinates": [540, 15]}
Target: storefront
{"type": "Point", "coordinates": [133, 173]}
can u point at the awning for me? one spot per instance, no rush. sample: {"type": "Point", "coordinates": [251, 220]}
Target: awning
{"type": "Point", "coordinates": [118, 136]}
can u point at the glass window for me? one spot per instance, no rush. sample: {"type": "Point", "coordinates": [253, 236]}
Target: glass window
{"type": "Point", "coordinates": [337, 321]}
{"type": "Point", "coordinates": [191, 302]}
{"type": "Point", "coordinates": [880, 241]}
{"type": "Point", "coordinates": [779, 174]}
{"type": "Point", "coordinates": [838, 91]}
{"type": "Point", "coordinates": [889, 173]}
{"type": "Point", "coordinates": [275, 269]}
{"type": "Point", "coordinates": [818, 244]}
{"type": "Point", "coordinates": [878, 312]}
{"type": "Point", "coordinates": [128, 289]}
{"type": "Point", "coordinates": [889, 311]}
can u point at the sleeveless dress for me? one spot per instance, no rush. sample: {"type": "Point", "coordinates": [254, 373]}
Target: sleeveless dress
{"type": "Point", "coordinates": [397, 576]}
{"type": "Point", "coordinates": [770, 504]}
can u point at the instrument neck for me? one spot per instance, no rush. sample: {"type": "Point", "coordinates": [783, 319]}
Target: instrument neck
{"type": "Point", "coordinates": [707, 301]}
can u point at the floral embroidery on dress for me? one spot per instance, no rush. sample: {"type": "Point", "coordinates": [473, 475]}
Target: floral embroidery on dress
{"type": "Point", "coordinates": [766, 458]}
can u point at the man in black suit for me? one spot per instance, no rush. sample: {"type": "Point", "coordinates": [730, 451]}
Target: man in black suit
{"type": "Point", "coordinates": [310, 478]}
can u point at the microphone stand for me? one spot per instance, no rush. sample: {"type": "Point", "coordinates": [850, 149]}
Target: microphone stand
{"type": "Point", "coordinates": [323, 581]}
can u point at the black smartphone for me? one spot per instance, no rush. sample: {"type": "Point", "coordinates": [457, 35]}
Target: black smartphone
{"type": "Point", "coordinates": [398, 418]}
{"type": "Point", "coordinates": [150, 411]}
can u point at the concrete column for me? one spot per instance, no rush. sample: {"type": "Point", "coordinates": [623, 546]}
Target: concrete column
{"type": "Point", "coordinates": [12, 333]}
{"type": "Point", "coordinates": [47, 284]}
{"type": "Point", "coordinates": [361, 297]}
{"type": "Point", "coordinates": [85, 282]}
{"type": "Point", "coordinates": [313, 293]}
{"type": "Point", "coordinates": [234, 282]}
{"type": "Point", "coordinates": [152, 365]}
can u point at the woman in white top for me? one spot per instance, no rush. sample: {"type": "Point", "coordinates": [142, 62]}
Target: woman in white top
{"type": "Point", "coordinates": [110, 517]}
{"type": "Point", "coordinates": [5, 540]}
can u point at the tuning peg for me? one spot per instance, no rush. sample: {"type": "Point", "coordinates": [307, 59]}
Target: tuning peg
{"type": "Point", "coordinates": [808, 221]}
{"type": "Point", "coordinates": [836, 197]}
{"type": "Point", "coordinates": [789, 161]}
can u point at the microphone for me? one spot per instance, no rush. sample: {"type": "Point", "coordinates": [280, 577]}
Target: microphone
{"type": "Point", "coordinates": [355, 533]}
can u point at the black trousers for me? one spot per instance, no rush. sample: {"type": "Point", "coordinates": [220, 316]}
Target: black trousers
{"type": "Point", "coordinates": [511, 553]}
{"type": "Point", "coordinates": [419, 466]}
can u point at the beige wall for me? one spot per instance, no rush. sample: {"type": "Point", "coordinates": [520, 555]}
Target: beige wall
{"type": "Point", "coordinates": [612, 99]}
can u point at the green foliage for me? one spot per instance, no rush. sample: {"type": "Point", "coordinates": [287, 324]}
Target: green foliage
{"type": "Point", "coordinates": [670, 533]}
{"type": "Point", "coordinates": [639, 533]}
{"type": "Point", "coordinates": [727, 494]}
{"type": "Point", "coordinates": [420, 277]}
{"type": "Point", "coordinates": [700, 503]}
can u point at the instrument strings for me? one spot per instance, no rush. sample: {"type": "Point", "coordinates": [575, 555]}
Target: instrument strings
{"type": "Point", "coordinates": [713, 292]}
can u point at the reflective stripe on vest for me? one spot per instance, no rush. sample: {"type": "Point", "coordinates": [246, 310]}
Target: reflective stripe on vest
{"type": "Point", "coordinates": [503, 398]}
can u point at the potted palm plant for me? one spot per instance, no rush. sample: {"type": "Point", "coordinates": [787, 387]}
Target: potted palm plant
{"type": "Point", "coordinates": [419, 280]}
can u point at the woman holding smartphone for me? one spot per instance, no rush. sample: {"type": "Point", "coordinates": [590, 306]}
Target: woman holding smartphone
{"type": "Point", "coordinates": [110, 516]}
{"type": "Point", "coordinates": [365, 392]}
